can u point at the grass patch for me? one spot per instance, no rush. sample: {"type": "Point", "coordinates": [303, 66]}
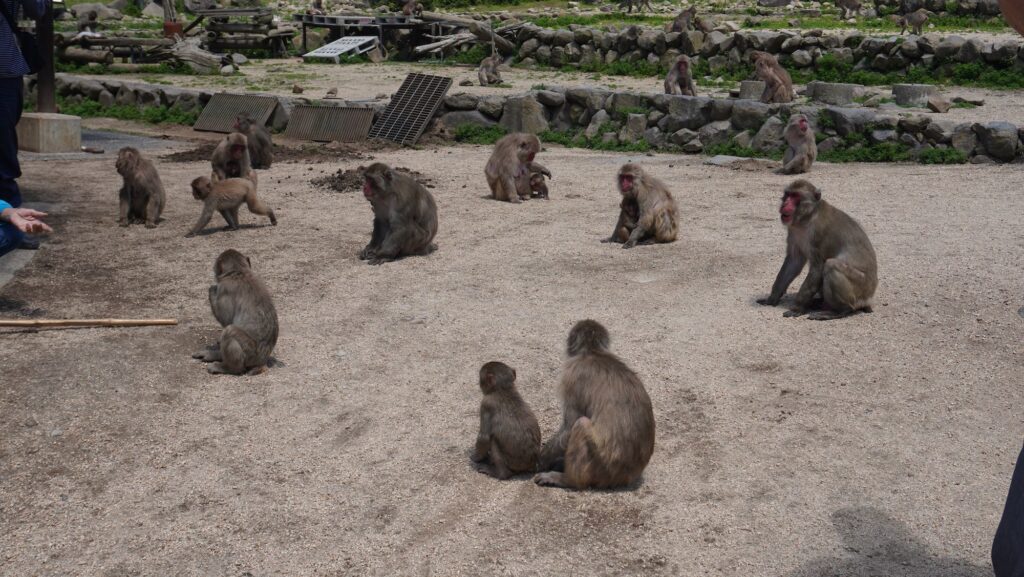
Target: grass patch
{"type": "Point", "coordinates": [85, 68]}
{"type": "Point", "coordinates": [472, 56]}
{"type": "Point", "coordinates": [151, 115]}
{"type": "Point", "coordinates": [974, 74]}
{"type": "Point", "coordinates": [732, 149]}
{"type": "Point", "coordinates": [596, 20]}
{"type": "Point", "coordinates": [942, 156]}
{"type": "Point", "coordinates": [942, 23]}
{"type": "Point", "coordinates": [474, 134]}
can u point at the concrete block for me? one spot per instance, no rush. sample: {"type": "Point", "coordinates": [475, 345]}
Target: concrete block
{"type": "Point", "coordinates": [751, 89]}
{"type": "Point", "coordinates": [49, 132]}
{"type": "Point", "coordinates": [913, 94]}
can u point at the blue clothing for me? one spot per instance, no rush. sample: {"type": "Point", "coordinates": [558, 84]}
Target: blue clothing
{"type": "Point", "coordinates": [12, 95]}
{"type": "Point", "coordinates": [11, 62]}
{"type": "Point", "coordinates": [10, 237]}
{"type": "Point", "coordinates": [1008, 545]}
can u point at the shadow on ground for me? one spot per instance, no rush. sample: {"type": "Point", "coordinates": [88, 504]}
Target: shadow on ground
{"type": "Point", "coordinates": [877, 545]}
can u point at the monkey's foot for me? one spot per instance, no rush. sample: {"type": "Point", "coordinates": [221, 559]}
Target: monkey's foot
{"type": "Point", "coordinates": [794, 313]}
{"type": "Point", "coordinates": [549, 479]}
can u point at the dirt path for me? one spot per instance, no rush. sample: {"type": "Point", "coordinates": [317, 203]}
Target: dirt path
{"type": "Point", "coordinates": [880, 444]}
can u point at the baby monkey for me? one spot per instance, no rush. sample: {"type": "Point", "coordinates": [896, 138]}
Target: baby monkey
{"type": "Point", "coordinates": [509, 439]}
{"type": "Point", "coordinates": [225, 196]}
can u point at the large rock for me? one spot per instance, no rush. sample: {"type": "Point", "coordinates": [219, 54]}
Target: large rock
{"type": "Point", "coordinates": [634, 128]}
{"type": "Point", "coordinates": [940, 131]}
{"type": "Point", "coordinates": [529, 47]}
{"type": "Point", "coordinates": [682, 136]}
{"type": "Point", "coordinates": [654, 137]}
{"type": "Point", "coordinates": [550, 98]}
{"type": "Point", "coordinates": [453, 120]}
{"type": "Point", "coordinates": [126, 97]}
{"type": "Point", "coordinates": [692, 42]}
{"type": "Point", "coordinates": [769, 137]}
{"type": "Point", "coordinates": [622, 103]}
{"type": "Point", "coordinates": [460, 101]}
{"type": "Point", "coordinates": [913, 94]}
{"type": "Point", "coordinates": [749, 114]}
{"type": "Point", "coordinates": [850, 120]}
{"type": "Point", "coordinates": [949, 47]}
{"type": "Point", "coordinates": [687, 112]}
{"type": "Point", "coordinates": [492, 106]}
{"type": "Point", "coordinates": [802, 59]}
{"type": "Point", "coordinates": [524, 114]}
{"type": "Point", "coordinates": [716, 133]}
{"type": "Point", "coordinates": [964, 139]}
{"type": "Point", "coordinates": [562, 37]}
{"type": "Point", "coordinates": [591, 98]}
{"type": "Point", "coordinates": [999, 139]}
{"type": "Point", "coordinates": [596, 123]}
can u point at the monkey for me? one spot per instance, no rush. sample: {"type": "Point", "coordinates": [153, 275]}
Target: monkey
{"type": "Point", "coordinates": [317, 9]}
{"type": "Point", "coordinates": [257, 137]}
{"type": "Point", "coordinates": [916, 20]}
{"type": "Point", "coordinates": [607, 433]}
{"type": "Point", "coordinates": [412, 8]}
{"type": "Point", "coordinates": [225, 196]}
{"type": "Point", "coordinates": [509, 438]}
{"type": "Point", "coordinates": [538, 186]}
{"type": "Point", "coordinates": [801, 149]}
{"type": "Point", "coordinates": [679, 80]}
{"type": "Point", "coordinates": [848, 8]}
{"type": "Point", "coordinates": [242, 305]}
{"type": "Point", "coordinates": [404, 215]}
{"type": "Point", "coordinates": [142, 194]}
{"type": "Point", "coordinates": [647, 212]}
{"type": "Point", "coordinates": [778, 86]}
{"type": "Point", "coordinates": [843, 269]}
{"type": "Point", "coordinates": [231, 158]}
{"type": "Point", "coordinates": [705, 24]}
{"type": "Point", "coordinates": [684, 21]}
{"type": "Point", "coordinates": [88, 23]}
{"type": "Point", "coordinates": [508, 169]}
{"type": "Point", "coordinates": [640, 4]}
{"type": "Point", "coordinates": [488, 73]}
{"type": "Point", "coordinates": [296, 89]}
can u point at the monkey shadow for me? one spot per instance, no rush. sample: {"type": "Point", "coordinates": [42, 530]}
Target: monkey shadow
{"type": "Point", "coordinates": [218, 229]}
{"type": "Point", "coordinates": [876, 545]}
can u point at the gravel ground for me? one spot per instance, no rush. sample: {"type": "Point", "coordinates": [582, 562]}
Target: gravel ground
{"type": "Point", "coordinates": [880, 444]}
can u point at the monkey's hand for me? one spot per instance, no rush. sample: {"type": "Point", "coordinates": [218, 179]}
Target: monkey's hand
{"type": "Point", "coordinates": [378, 260]}
{"type": "Point", "coordinates": [768, 301]}
{"type": "Point", "coordinates": [366, 254]}
{"type": "Point", "coordinates": [122, 222]}
{"type": "Point", "coordinates": [629, 244]}
{"type": "Point", "coordinates": [796, 312]}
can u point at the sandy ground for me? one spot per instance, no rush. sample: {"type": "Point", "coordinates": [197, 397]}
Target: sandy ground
{"type": "Point", "coordinates": [876, 445]}
{"type": "Point", "coordinates": [376, 82]}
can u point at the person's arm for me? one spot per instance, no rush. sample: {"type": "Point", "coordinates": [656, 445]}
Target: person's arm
{"type": "Point", "coordinates": [24, 219]}
{"type": "Point", "coordinates": [34, 9]}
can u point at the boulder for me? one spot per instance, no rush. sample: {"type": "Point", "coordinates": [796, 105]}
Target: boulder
{"type": "Point", "coordinates": [596, 123]}
{"type": "Point", "coordinates": [802, 59]}
{"type": "Point", "coordinates": [693, 147]}
{"type": "Point", "coordinates": [453, 120]}
{"type": "Point", "coordinates": [625, 102]}
{"type": "Point", "coordinates": [834, 93]}
{"type": "Point", "coordinates": [829, 144]}
{"type": "Point", "coordinates": [999, 139]}
{"type": "Point", "coordinates": [964, 139]}
{"type": "Point", "coordinates": [103, 12]}
{"type": "Point", "coordinates": [682, 136]}
{"type": "Point", "coordinates": [939, 131]}
{"type": "Point", "coordinates": [591, 98]}
{"type": "Point", "coordinates": [769, 137]}
{"type": "Point", "coordinates": [550, 98]}
{"type": "Point", "coordinates": [749, 114]}
{"type": "Point", "coordinates": [654, 137]}
{"type": "Point", "coordinates": [492, 106]}
{"type": "Point", "coordinates": [937, 104]}
{"type": "Point", "coordinates": [634, 128]}
{"type": "Point", "coordinates": [949, 47]}
{"type": "Point", "coordinates": [716, 133]}
{"type": "Point", "coordinates": [461, 101]}
{"type": "Point", "coordinates": [524, 114]}
{"type": "Point", "coordinates": [913, 94]}
{"type": "Point", "coordinates": [691, 111]}
{"type": "Point", "coordinates": [850, 120]}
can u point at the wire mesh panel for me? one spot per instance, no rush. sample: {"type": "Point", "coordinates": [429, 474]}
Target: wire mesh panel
{"type": "Point", "coordinates": [353, 44]}
{"type": "Point", "coordinates": [411, 108]}
{"type": "Point", "coordinates": [329, 123]}
{"type": "Point", "coordinates": [219, 113]}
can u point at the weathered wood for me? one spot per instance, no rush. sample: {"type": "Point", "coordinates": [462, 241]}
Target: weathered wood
{"type": "Point", "coordinates": [187, 51]}
{"type": "Point", "coordinates": [481, 31]}
{"type": "Point", "coordinates": [102, 41]}
{"type": "Point", "coordinates": [46, 323]}
{"type": "Point", "coordinates": [83, 55]}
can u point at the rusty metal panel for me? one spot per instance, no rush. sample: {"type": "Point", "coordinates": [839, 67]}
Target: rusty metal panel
{"type": "Point", "coordinates": [321, 123]}
{"type": "Point", "coordinates": [219, 113]}
{"type": "Point", "coordinates": [411, 108]}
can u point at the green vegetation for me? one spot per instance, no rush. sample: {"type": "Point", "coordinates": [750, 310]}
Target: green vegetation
{"type": "Point", "coordinates": [941, 156]}
{"type": "Point", "coordinates": [829, 69]}
{"type": "Point", "coordinates": [944, 23]}
{"type": "Point", "coordinates": [579, 140]}
{"type": "Point", "coordinates": [472, 56]}
{"type": "Point", "coordinates": [162, 68]}
{"type": "Point", "coordinates": [857, 150]}
{"type": "Point", "coordinates": [596, 20]}
{"type": "Point", "coordinates": [151, 115]}
{"type": "Point", "coordinates": [474, 134]}
{"type": "Point", "coordinates": [732, 149]}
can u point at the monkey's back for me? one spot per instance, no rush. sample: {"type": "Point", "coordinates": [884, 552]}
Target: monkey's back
{"type": "Point", "coordinates": [516, 431]}
{"type": "Point", "coordinates": [255, 314]}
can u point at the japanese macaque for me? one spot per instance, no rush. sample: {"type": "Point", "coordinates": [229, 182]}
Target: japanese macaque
{"type": "Point", "coordinates": [647, 213]}
{"type": "Point", "coordinates": [225, 196]}
{"type": "Point", "coordinates": [607, 433]}
{"type": "Point", "coordinates": [684, 21]}
{"type": "Point", "coordinates": [508, 170]}
{"type": "Point", "coordinates": [87, 22]}
{"type": "Point", "coordinates": [142, 194]}
{"type": "Point", "coordinates": [801, 148]}
{"type": "Point", "coordinates": [679, 80]}
{"type": "Point", "coordinates": [509, 438]}
{"type": "Point", "coordinates": [257, 138]}
{"type": "Point", "coordinates": [843, 271]}
{"type": "Point", "coordinates": [242, 305]}
{"type": "Point", "coordinates": [539, 186]}
{"type": "Point", "coordinates": [705, 24]}
{"type": "Point", "coordinates": [848, 8]}
{"type": "Point", "coordinates": [296, 89]}
{"type": "Point", "coordinates": [317, 8]}
{"type": "Point", "coordinates": [916, 20]}
{"type": "Point", "coordinates": [488, 73]}
{"type": "Point", "coordinates": [231, 158]}
{"type": "Point", "coordinates": [404, 215]}
{"type": "Point", "coordinates": [412, 8]}
{"type": "Point", "coordinates": [778, 86]}
{"type": "Point", "coordinates": [640, 5]}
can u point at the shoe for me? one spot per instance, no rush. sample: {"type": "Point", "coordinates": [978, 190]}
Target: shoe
{"type": "Point", "coordinates": [29, 243]}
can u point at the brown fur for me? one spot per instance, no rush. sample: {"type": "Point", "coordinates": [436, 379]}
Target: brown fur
{"type": "Point", "coordinates": [647, 212]}
{"type": "Point", "coordinates": [142, 194]}
{"type": "Point", "coordinates": [225, 196]}
{"type": "Point", "coordinates": [843, 269]}
{"type": "Point", "coordinates": [412, 8]}
{"type": "Point", "coordinates": [404, 215]}
{"type": "Point", "coordinates": [257, 138]}
{"type": "Point", "coordinates": [607, 433]}
{"type": "Point", "coordinates": [231, 158]}
{"type": "Point", "coordinates": [538, 186]}
{"type": "Point", "coordinates": [88, 22]}
{"type": "Point", "coordinates": [679, 80]}
{"type": "Point", "coordinates": [509, 438]}
{"type": "Point", "coordinates": [488, 72]}
{"type": "Point", "coordinates": [916, 20]}
{"type": "Point", "coordinates": [778, 86]}
{"type": "Point", "coordinates": [801, 149]}
{"type": "Point", "coordinates": [508, 169]}
{"type": "Point", "coordinates": [640, 5]}
{"type": "Point", "coordinates": [684, 21]}
{"type": "Point", "coordinates": [242, 305]}
{"type": "Point", "coordinates": [848, 8]}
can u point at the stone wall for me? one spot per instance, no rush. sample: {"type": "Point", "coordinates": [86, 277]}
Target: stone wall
{"type": "Point", "coordinates": [981, 8]}
{"type": "Point", "coordinates": [692, 124]}
{"type": "Point", "coordinates": [724, 48]}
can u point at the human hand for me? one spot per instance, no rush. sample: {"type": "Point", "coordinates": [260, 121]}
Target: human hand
{"type": "Point", "coordinates": [27, 220]}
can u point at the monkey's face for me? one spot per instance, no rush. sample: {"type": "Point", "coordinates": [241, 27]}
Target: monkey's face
{"type": "Point", "coordinates": [683, 66]}
{"type": "Point", "coordinates": [798, 202]}
{"type": "Point", "coordinates": [528, 148]}
{"type": "Point", "coordinates": [237, 151]}
{"type": "Point", "coordinates": [627, 184]}
{"type": "Point", "coordinates": [800, 121]}
{"type": "Point", "coordinates": [126, 161]}
{"type": "Point", "coordinates": [374, 186]}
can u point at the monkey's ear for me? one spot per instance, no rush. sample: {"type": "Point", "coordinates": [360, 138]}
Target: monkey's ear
{"type": "Point", "coordinates": [817, 194]}
{"type": "Point", "coordinates": [389, 175]}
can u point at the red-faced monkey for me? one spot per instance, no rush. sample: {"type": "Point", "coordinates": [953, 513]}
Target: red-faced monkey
{"type": "Point", "coordinates": [656, 217]}
{"type": "Point", "coordinates": [679, 80]}
{"type": "Point", "coordinates": [404, 215]}
{"type": "Point", "coordinates": [508, 170]}
{"type": "Point", "coordinates": [801, 148]}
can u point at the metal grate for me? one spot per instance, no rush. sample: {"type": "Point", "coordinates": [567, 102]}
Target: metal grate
{"type": "Point", "coordinates": [219, 113]}
{"type": "Point", "coordinates": [411, 108]}
{"type": "Point", "coordinates": [329, 123]}
{"type": "Point", "coordinates": [354, 44]}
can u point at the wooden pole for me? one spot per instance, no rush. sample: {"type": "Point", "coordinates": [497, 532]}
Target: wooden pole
{"type": "Point", "coordinates": [45, 323]}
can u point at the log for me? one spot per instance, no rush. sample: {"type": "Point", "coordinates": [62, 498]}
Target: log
{"type": "Point", "coordinates": [481, 31]}
{"type": "Point", "coordinates": [82, 55]}
{"type": "Point", "coordinates": [47, 323]}
{"type": "Point", "coordinates": [100, 41]}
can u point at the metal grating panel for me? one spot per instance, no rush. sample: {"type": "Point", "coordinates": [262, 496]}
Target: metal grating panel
{"type": "Point", "coordinates": [219, 113]}
{"type": "Point", "coordinates": [411, 108]}
{"type": "Point", "coordinates": [329, 123]}
{"type": "Point", "coordinates": [354, 44]}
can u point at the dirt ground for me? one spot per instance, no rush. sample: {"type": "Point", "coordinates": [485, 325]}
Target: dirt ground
{"type": "Point", "coordinates": [880, 444]}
